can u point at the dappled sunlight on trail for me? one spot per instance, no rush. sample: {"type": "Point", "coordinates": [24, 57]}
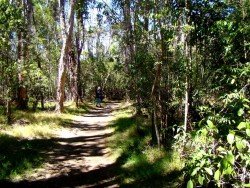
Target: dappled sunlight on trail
{"type": "Point", "coordinates": [78, 156]}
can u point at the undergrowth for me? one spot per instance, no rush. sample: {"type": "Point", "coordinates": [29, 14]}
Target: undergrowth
{"type": "Point", "coordinates": [142, 165]}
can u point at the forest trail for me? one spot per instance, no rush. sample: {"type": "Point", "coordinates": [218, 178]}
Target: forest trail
{"type": "Point", "coordinates": [79, 156]}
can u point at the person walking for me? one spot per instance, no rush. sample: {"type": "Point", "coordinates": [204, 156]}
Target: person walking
{"type": "Point", "coordinates": [98, 96]}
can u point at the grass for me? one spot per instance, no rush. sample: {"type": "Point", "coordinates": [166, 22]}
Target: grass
{"type": "Point", "coordinates": [72, 110]}
{"type": "Point", "coordinates": [20, 156]}
{"type": "Point", "coordinates": [24, 143]}
{"type": "Point", "coordinates": [142, 165]}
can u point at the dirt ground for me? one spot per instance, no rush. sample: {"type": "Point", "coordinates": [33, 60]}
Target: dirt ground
{"type": "Point", "coordinates": [80, 156]}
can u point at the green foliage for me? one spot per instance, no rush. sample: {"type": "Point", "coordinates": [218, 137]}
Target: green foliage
{"type": "Point", "coordinates": [141, 164]}
{"type": "Point", "coordinates": [11, 22]}
{"type": "Point", "coordinates": [105, 72]}
{"type": "Point", "coordinates": [220, 148]}
{"type": "Point", "coordinates": [18, 156]}
{"type": "Point", "coordinates": [202, 47]}
{"type": "Point", "coordinates": [37, 81]}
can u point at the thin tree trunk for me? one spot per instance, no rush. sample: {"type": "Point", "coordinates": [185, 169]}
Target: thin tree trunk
{"type": "Point", "coordinates": [186, 104]}
{"type": "Point", "coordinates": [42, 101]}
{"type": "Point", "coordinates": [79, 80]}
{"type": "Point", "coordinates": [129, 48]}
{"type": "Point", "coordinates": [8, 112]}
{"type": "Point", "coordinates": [22, 97]}
{"type": "Point", "coordinates": [8, 107]}
{"type": "Point", "coordinates": [188, 61]}
{"type": "Point", "coordinates": [157, 132]}
{"type": "Point", "coordinates": [153, 132]}
{"type": "Point", "coordinates": [244, 37]}
{"type": "Point", "coordinates": [155, 102]}
{"type": "Point", "coordinates": [79, 45]}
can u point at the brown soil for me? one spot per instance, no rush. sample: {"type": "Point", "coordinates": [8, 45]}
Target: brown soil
{"type": "Point", "coordinates": [80, 156]}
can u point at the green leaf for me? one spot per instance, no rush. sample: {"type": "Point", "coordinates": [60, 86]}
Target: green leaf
{"type": "Point", "coordinates": [201, 179]}
{"type": "Point", "coordinates": [240, 145]}
{"type": "Point", "coordinates": [209, 171]}
{"type": "Point", "coordinates": [233, 81]}
{"type": "Point", "coordinates": [242, 125]}
{"type": "Point", "coordinates": [228, 171]}
{"type": "Point", "coordinates": [204, 132]}
{"type": "Point", "coordinates": [220, 149]}
{"type": "Point", "coordinates": [230, 138]}
{"type": "Point", "coordinates": [248, 132]}
{"type": "Point", "coordinates": [245, 105]}
{"type": "Point", "coordinates": [217, 175]}
{"type": "Point", "coordinates": [202, 163]}
{"type": "Point", "coordinates": [240, 112]}
{"type": "Point", "coordinates": [224, 163]}
{"type": "Point", "coordinates": [230, 158]}
{"type": "Point", "coordinates": [210, 123]}
{"type": "Point", "coordinates": [246, 185]}
{"type": "Point", "coordinates": [190, 184]}
{"type": "Point", "coordinates": [246, 100]}
{"type": "Point", "coordinates": [195, 171]}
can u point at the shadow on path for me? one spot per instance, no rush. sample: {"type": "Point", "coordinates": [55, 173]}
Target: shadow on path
{"type": "Point", "coordinates": [75, 160]}
{"type": "Point", "coordinates": [102, 177]}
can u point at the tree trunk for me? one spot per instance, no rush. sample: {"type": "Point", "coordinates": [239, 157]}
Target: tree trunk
{"type": "Point", "coordinates": [21, 93]}
{"type": "Point", "coordinates": [23, 52]}
{"type": "Point", "coordinates": [156, 128]}
{"type": "Point", "coordinates": [129, 41]}
{"type": "Point", "coordinates": [153, 134]}
{"type": "Point", "coordinates": [8, 111]}
{"type": "Point", "coordinates": [188, 61]}
{"type": "Point", "coordinates": [42, 101]}
{"type": "Point", "coordinates": [154, 92]}
{"type": "Point", "coordinates": [22, 96]}
{"type": "Point", "coordinates": [79, 46]}
{"type": "Point", "coordinates": [67, 37]}
{"type": "Point", "coordinates": [8, 107]}
{"type": "Point", "coordinates": [73, 76]}
{"type": "Point", "coordinates": [186, 104]}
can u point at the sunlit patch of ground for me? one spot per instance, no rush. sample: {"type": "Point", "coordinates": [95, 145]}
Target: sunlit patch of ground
{"type": "Point", "coordinates": [76, 149]}
{"type": "Point", "coordinates": [141, 164]}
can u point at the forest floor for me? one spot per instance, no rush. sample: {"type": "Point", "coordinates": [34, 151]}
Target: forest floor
{"type": "Point", "coordinates": [93, 147]}
{"type": "Point", "coordinates": [80, 156]}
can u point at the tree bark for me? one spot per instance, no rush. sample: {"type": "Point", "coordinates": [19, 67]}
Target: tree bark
{"type": "Point", "coordinates": [23, 52]}
{"type": "Point", "coordinates": [67, 38]}
{"type": "Point", "coordinates": [73, 76]}
{"type": "Point", "coordinates": [129, 41]}
{"type": "Point", "coordinates": [188, 61]}
{"type": "Point", "coordinates": [156, 128]}
{"type": "Point", "coordinates": [79, 46]}
{"type": "Point", "coordinates": [22, 96]}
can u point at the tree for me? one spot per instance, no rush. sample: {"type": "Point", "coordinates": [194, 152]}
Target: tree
{"type": "Point", "coordinates": [23, 52]}
{"type": "Point", "coordinates": [11, 14]}
{"type": "Point", "coordinates": [67, 32]}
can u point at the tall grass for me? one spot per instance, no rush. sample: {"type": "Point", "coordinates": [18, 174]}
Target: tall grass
{"type": "Point", "coordinates": [142, 165]}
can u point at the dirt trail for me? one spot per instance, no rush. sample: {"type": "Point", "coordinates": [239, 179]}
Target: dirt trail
{"type": "Point", "coordinates": [79, 156]}
{"type": "Point", "coordinates": [82, 146]}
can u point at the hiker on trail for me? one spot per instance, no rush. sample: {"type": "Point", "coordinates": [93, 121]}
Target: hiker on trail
{"type": "Point", "coordinates": [98, 96]}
